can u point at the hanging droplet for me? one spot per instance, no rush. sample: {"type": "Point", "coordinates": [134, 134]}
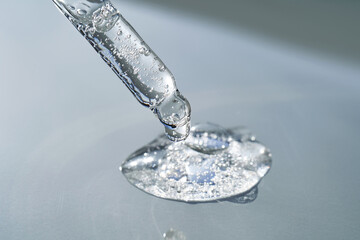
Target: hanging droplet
{"type": "Point", "coordinates": [102, 25]}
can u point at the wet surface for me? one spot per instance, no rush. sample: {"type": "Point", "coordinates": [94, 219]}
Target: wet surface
{"type": "Point", "coordinates": [211, 164]}
{"type": "Point", "coordinates": [63, 137]}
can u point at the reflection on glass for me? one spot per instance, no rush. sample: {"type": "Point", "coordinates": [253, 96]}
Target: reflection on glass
{"type": "Point", "coordinates": [213, 163]}
{"type": "Point", "coordinates": [173, 234]}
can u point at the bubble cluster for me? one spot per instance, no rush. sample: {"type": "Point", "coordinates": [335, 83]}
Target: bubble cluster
{"type": "Point", "coordinates": [132, 60]}
{"type": "Point", "coordinates": [213, 163]}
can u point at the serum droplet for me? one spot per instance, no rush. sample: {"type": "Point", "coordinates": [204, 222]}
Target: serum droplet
{"type": "Point", "coordinates": [199, 169]}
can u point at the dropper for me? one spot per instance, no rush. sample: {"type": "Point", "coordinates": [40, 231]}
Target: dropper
{"type": "Point", "coordinates": [132, 60]}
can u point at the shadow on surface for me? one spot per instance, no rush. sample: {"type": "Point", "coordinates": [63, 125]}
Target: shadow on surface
{"type": "Point", "coordinates": [245, 198]}
{"type": "Point", "coordinates": [327, 27]}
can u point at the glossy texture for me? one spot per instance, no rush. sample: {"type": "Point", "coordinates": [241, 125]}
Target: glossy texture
{"type": "Point", "coordinates": [132, 60]}
{"type": "Point", "coordinates": [209, 165]}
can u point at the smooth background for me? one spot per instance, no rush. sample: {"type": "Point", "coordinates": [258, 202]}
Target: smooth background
{"type": "Point", "coordinates": [288, 71]}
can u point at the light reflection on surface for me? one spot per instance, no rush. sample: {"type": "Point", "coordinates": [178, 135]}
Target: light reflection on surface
{"type": "Point", "coordinates": [212, 164]}
{"type": "Point", "coordinates": [63, 137]}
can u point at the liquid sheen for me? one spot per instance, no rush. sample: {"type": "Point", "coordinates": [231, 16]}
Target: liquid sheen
{"type": "Point", "coordinates": [213, 163]}
{"type": "Point", "coordinates": [132, 60]}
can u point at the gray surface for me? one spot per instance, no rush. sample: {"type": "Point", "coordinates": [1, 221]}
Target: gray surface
{"type": "Point", "coordinates": [325, 26]}
{"type": "Point", "coordinates": [67, 123]}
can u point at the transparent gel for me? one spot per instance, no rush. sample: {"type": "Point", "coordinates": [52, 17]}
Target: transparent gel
{"type": "Point", "coordinates": [201, 164]}
{"type": "Point", "coordinates": [132, 60]}
{"type": "Point", "coordinates": [213, 163]}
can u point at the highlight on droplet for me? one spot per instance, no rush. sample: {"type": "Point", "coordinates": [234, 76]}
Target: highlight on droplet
{"type": "Point", "coordinates": [132, 60]}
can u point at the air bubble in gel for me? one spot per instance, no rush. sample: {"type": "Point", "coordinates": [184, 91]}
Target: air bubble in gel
{"type": "Point", "coordinates": [132, 60]}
